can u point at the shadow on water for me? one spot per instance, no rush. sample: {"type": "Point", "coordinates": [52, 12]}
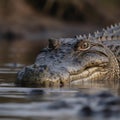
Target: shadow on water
{"type": "Point", "coordinates": [27, 103]}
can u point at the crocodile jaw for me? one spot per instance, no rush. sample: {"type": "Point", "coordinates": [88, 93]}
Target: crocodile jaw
{"type": "Point", "coordinates": [89, 75]}
{"type": "Point", "coordinates": [37, 76]}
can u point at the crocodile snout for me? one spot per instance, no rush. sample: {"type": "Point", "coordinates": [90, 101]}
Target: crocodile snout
{"type": "Point", "coordinates": [31, 75]}
{"type": "Point", "coordinates": [41, 76]}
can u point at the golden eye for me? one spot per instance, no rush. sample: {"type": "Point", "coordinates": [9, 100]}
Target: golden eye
{"type": "Point", "coordinates": [82, 45]}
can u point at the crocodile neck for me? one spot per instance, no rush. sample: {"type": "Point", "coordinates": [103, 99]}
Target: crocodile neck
{"type": "Point", "coordinates": [110, 37]}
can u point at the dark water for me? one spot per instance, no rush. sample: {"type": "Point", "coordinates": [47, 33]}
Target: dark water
{"type": "Point", "coordinates": [19, 103]}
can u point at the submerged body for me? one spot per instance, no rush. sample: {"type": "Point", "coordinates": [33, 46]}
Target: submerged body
{"type": "Point", "coordinates": [69, 61]}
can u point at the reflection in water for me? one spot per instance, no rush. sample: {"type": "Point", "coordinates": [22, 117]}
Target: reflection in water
{"type": "Point", "coordinates": [43, 104]}
{"type": "Point", "coordinates": [19, 103]}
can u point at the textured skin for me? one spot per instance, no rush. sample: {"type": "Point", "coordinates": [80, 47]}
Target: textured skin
{"type": "Point", "coordinates": [69, 61]}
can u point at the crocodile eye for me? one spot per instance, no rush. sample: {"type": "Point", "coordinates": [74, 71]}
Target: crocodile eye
{"type": "Point", "coordinates": [82, 45]}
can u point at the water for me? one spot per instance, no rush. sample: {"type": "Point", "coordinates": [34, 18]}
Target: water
{"type": "Point", "coordinates": [22, 103]}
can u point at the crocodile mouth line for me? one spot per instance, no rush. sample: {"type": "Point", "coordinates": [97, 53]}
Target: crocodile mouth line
{"type": "Point", "coordinates": [90, 74]}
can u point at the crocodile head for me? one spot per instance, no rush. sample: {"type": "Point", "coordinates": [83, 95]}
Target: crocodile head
{"type": "Point", "coordinates": [70, 61]}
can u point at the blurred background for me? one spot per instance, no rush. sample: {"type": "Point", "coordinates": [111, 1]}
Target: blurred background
{"type": "Point", "coordinates": [25, 25]}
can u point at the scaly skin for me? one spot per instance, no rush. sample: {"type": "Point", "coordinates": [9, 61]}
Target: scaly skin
{"type": "Point", "coordinates": [69, 61]}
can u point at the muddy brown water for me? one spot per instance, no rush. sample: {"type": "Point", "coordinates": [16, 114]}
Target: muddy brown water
{"type": "Point", "coordinates": [18, 103]}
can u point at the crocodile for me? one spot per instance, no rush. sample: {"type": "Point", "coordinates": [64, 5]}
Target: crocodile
{"type": "Point", "coordinates": [72, 61]}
